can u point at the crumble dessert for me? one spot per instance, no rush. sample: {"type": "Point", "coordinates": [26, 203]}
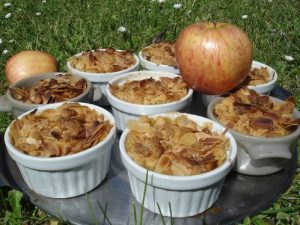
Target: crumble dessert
{"type": "Point", "coordinates": [161, 53]}
{"type": "Point", "coordinates": [177, 146]}
{"type": "Point", "coordinates": [65, 130]}
{"type": "Point", "coordinates": [103, 61]}
{"type": "Point", "coordinates": [52, 90]}
{"type": "Point", "coordinates": [150, 91]}
{"type": "Point", "coordinates": [250, 113]}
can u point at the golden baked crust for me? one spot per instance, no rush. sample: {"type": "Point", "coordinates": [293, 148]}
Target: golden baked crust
{"type": "Point", "coordinates": [250, 113]}
{"type": "Point", "coordinates": [103, 61]}
{"type": "Point", "coordinates": [151, 91]}
{"type": "Point", "coordinates": [52, 90]}
{"type": "Point", "coordinates": [162, 53]}
{"type": "Point", "coordinates": [257, 76]}
{"type": "Point", "coordinates": [66, 130]}
{"type": "Point", "coordinates": [175, 146]}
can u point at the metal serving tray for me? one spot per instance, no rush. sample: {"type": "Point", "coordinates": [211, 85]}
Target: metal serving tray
{"type": "Point", "coordinates": [241, 195]}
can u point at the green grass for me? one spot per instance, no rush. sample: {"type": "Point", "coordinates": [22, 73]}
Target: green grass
{"type": "Point", "coordinates": [68, 27]}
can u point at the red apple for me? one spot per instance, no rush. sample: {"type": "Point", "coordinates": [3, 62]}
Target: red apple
{"type": "Point", "coordinates": [213, 58]}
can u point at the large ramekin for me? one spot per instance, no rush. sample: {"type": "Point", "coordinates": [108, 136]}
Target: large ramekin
{"type": "Point", "coordinates": [260, 155]}
{"type": "Point", "coordinates": [65, 176]}
{"type": "Point", "coordinates": [9, 104]}
{"type": "Point", "coordinates": [148, 65]}
{"type": "Point", "coordinates": [187, 195]}
{"type": "Point", "coordinates": [99, 80]}
{"type": "Point", "coordinates": [261, 88]}
{"type": "Point", "coordinates": [124, 111]}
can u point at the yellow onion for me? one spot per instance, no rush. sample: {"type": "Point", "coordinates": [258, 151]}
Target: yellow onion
{"type": "Point", "coordinates": [29, 63]}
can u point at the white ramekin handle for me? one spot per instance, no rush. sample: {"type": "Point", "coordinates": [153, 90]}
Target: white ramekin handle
{"type": "Point", "coordinates": [4, 104]}
{"type": "Point", "coordinates": [97, 92]}
{"type": "Point", "coordinates": [274, 150]}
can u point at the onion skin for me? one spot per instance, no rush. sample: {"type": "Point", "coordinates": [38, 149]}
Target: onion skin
{"type": "Point", "coordinates": [213, 58]}
{"type": "Point", "coordinates": [29, 63]}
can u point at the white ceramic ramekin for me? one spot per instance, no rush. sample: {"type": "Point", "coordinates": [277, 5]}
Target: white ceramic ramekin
{"type": "Point", "coordinates": [65, 176]}
{"type": "Point", "coordinates": [267, 87]}
{"type": "Point", "coordinates": [187, 195]}
{"type": "Point", "coordinates": [9, 104]}
{"type": "Point", "coordinates": [259, 155]}
{"type": "Point", "coordinates": [99, 80]}
{"type": "Point", "coordinates": [261, 88]}
{"type": "Point", "coordinates": [124, 111]}
{"type": "Point", "coordinates": [148, 65]}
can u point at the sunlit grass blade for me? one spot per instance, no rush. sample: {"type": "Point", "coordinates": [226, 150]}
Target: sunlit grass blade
{"type": "Point", "coordinates": [143, 201]}
{"type": "Point", "coordinates": [104, 212]}
{"type": "Point", "coordinates": [91, 209]}
{"type": "Point", "coordinates": [3, 202]}
{"type": "Point", "coordinates": [134, 214]}
{"type": "Point", "coordinates": [161, 216]}
{"type": "Point", "coordinates": [171, 215]}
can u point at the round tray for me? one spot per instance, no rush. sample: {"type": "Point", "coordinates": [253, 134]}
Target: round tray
{"type": "Point", "coordinates": [241, 195]}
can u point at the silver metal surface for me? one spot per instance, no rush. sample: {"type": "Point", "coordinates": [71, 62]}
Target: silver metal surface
{"type": "Point", "coordinates": [241, 195]}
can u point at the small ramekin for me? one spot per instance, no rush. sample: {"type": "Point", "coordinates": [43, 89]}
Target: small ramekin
{"type": "Point", "coordinates": [267, 87]}
{"type": "Point", "coordinates": [124, 111]}
{"type": "Point", "coordinates": [148, 65]}
{"type": "Point", "coordinates": [187, 195]}
{"type": "Point", "coordinates": [261, 88]}
{"type": "Point", "coordinates": [9, 104]}
{"type": "Point", "coordinates": [99, 80]}
{"type": "Point", "coordinates": [65, 176]}
{"type": "Point", "coordinates": [260, 155]}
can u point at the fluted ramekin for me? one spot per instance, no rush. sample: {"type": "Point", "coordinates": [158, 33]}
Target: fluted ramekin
{"type": "Point", "coordinates": [187, 195]}
{"type": "Point", "coordinates": [124, 111]}
{"type": "Point", "coordinates": [148, 65]}
{"type": "Point", "coordinates": [9, 104]}
{"type": "Point", "coordinates": [99, 80]}
{"type": "Point", "coordinates": [260, 155]}
{"type": "Point", "coordinates": [65, 176]}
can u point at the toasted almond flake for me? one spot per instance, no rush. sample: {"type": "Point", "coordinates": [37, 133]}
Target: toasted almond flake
{"type": "Point", "coordinates": [65, 130]}
{"type": "Point", "coordinates": [253, 114]}
{"type": "Point", "coordinates": [103, 61]}
{"type": "Point", "coordinates": [61, 88]}
{"type": "Point", "coordinates": [257, 76]}
{"type": "Point", "coordinates": [162, 53]}
{"type": "Point", "coordinates": [176, 146]}
{"type": "Point", "coordinates": [150, 91]}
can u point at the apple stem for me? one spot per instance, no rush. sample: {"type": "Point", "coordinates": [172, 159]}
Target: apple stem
{"type": "Point", "coordinates": [215, 24]}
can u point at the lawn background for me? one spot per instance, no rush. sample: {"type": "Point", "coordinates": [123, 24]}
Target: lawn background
{"type": "Point", "coordinates": [64, 28]}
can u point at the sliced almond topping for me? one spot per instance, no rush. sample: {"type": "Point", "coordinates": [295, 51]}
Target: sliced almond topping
{"type": "Point", "coordinates": [62, 88]}
{"type": "Point", "coordinates": [258, 115]}
{"type": "Point", "coordinates": [175, 146]}
{"type": "Point", "coordinates": [65, 130]}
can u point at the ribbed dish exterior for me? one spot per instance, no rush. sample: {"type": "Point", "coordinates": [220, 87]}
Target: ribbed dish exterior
{"type": "Point", "coordinates": [183, 203]}
{"type": "Point", "coordinates": [67, 183]}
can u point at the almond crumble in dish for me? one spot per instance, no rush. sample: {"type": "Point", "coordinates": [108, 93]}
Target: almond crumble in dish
{"type": "Point", "coordinates": [176, 146]}
{"type": "Point", "coordinates": [161, 53]}
{"type": "Point", "coordinates": [51, 90]}
{"type": "Point", "coordinates": [250, 113]}
{"type": "Point", "coordinates": [257, 76]}
{"type": "Point", "coordinates": [65, 130]}
{"type": "Point", "coordinates": [151, 91]}
{"type": "Point", "coordinates": [103, 61]}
